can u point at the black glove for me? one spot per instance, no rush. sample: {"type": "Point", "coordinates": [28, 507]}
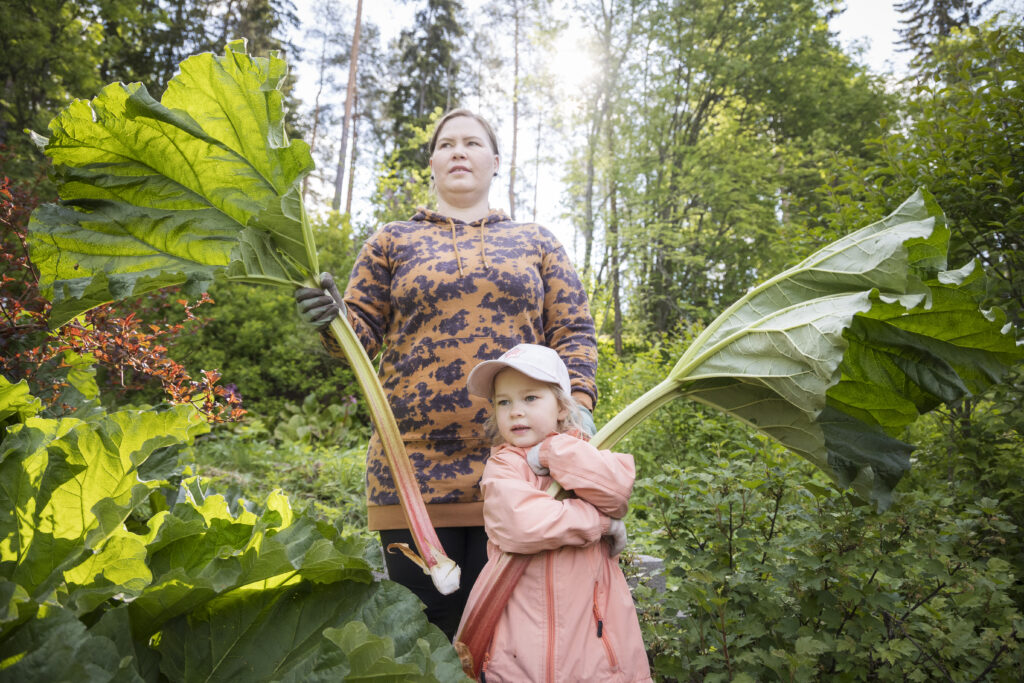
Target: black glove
{"type": "Point", "coordinates": [319, 306]}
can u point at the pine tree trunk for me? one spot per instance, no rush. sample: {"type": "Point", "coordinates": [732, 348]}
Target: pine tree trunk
{"type": "Point", "coordinates": [515, 116]}
{"type": "Point", "coordinates": [339, 178]}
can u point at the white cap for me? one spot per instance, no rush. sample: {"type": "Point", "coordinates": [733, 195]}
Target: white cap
{"type": "Point", "coordinates": [539, 362]}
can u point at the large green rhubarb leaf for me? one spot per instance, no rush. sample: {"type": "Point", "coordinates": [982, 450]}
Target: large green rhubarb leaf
{"type": "Point", "coordinates": [66, 488]}
{"type": "Point", "coordinates": [199, 551]}
{"type": "Point", "coordinates": [56, 646]}
{"type": "Point", "coordinates": [173, 192]}
{"type": "Point", "coordinates": [835, 356]}
{"type": "Point", "coordinates": [307, 632]}
{"type": "Point", "coordinates": [197, 591]}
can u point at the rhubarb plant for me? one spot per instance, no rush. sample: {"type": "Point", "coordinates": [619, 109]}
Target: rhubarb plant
{"type": "Point", "coordinates": [203, 184]}
{"type": "Point", "coordinates": [115, 564]}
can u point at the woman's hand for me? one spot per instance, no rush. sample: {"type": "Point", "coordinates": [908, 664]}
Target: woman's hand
{"type": "Point", "coordinates": [319, 306]}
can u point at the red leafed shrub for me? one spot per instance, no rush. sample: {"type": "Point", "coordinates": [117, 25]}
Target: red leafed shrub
{"type": "Point", "coordinates": [133, 353]}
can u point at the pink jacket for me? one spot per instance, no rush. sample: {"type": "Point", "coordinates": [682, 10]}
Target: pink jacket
{"type": "Point", "coordinates": [571, 616]}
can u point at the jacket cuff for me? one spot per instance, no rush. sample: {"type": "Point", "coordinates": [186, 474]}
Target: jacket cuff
{"type": "Point", "coordinates": [606, 523]}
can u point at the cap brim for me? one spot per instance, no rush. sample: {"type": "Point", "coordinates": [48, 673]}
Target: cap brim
{"type": "Point", "coordinates": [481, 378]}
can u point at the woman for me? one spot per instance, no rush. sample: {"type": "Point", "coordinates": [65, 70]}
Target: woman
{"type": "Point", "coordinates": [439, 293]}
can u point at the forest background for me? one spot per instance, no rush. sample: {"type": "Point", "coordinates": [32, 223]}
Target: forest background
{"type": "Point", "coordinates": [711, 146]}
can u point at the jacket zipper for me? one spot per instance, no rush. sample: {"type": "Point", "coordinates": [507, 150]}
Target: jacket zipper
{"type": "Point", "coordinates": [483, 667]}
{"type": "Point", "coordinates": [550, 575]}
{"type": "Point", "coordinates": [612, 660]}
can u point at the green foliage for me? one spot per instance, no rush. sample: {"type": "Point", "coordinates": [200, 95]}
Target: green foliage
{"type": "Point", "coordinates": [773, 574]}
{"type": "Point", "coordinates": [960, 138]}
{"type": "Point", "coordinates": [115, 565]}
{"type": "Point", "coordinates": [315, 453]}
{"type": "Point", "coordinates": [767, 580]}
{"type": "Point", "coordinates": [402, 187]}
{"type": "Point", "coordinates": [426, 71]}
{"type": "Point", "coordinates": [974, 449]}
{"type": "Point", "coordinates": [710, 119]}
{"type": "Point", "coordinates": [259, 344]}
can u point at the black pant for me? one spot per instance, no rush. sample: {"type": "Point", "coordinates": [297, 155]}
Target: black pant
{"type": "Point", "coordinates": [467, 546]}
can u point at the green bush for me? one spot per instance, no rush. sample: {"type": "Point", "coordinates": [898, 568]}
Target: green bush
{"type": "Point", "coordinates": [314, 452]}
{"type": "Point", "coordinates": [254, 336]}
{"type": "Point", "coordinates": [773, 574]}
{"type": "Point", "coordinates": [975, 449]}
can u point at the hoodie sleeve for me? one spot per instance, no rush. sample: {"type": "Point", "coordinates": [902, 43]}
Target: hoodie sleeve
{"type": "Point", "coordinates": [367, 297]}
{"type": "Point", "coordinates": [602, 478]}
{"type": "Point", "coordinates": [568, 326]}
{"type": "Point", "coordinates": [520, 517]}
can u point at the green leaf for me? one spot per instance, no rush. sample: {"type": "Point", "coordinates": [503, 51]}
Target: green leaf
{"type": "Point", "coordinates": [16, 403]}
{"type": "Point", "coordinates": [809, 645]}
{"type": "Point", "coordinates": [57, 647]}
{"type": "Point", "coordinates": [173, 192]}
{"type": "Point", "coordinates": [836, 355]}
{"type": "Point", "coordinates": [341, 631]}
{"type": "Point", "coordinates": [199, 552]}
{"type": "Point", "coordinates": [67, 486]}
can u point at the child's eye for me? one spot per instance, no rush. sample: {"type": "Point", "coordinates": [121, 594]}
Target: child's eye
{"type": "Point", "coordinates": [501, 402]}
{"type": "Point", "coordinates": [531, 398]}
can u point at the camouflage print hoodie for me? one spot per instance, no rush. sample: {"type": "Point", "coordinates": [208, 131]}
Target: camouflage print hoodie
{"type": "Point", "coordinates": [436, 296]}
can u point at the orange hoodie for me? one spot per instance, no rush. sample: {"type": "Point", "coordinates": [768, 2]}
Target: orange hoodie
{"type": "Point", "coordinates": [435, 296]}
{"type": "Point", "coordinates": [571, 616]}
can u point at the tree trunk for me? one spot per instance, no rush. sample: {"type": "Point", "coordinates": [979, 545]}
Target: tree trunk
{"type": "Point", "coordinates": [515, 112]}
{"type": "Point", "coordinates": [355, 151]}
{"type": "Point", "coordinates": [316, 109]}
{"type": "Point", "coordinates": [339, 178]}
{"type": "Point", "coordinates": [613, 247]}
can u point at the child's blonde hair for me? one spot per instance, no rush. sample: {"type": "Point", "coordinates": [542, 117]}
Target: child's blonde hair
{"type": "Point", "coordinates": [565, 402]}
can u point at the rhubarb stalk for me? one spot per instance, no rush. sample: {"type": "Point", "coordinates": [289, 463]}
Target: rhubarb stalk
{"type": "Point", "coordinates": [431, 558]}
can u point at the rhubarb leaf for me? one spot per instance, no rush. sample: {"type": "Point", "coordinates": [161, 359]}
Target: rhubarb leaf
{"type": "Point", "coordinates": [167, 193]}
{"type": "Point", "coordinates": [835, 356]}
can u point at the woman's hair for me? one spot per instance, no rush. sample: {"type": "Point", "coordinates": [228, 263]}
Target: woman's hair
{"type": "Point", "coordinates": [565, 401]}
{"type": "Point", "coordinates": [455, 113]}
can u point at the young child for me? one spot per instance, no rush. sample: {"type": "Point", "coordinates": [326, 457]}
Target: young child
{"type": "Point", "coordinates": [571, 616]}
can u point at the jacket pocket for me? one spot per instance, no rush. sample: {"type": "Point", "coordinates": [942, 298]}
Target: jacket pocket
{"type": "Point", "coordinates": [602, 632]}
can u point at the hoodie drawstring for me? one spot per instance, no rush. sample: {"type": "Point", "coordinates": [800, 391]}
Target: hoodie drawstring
{"type": "Point", "coordinates": [483, 251]}
{"type": "Point", "coordinates": [482, 224]}
{"type": "Point", "coordinates": [455, 243]}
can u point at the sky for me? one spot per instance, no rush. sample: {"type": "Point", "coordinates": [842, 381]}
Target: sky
{"type": "Point", "coordinates": [869, 23]}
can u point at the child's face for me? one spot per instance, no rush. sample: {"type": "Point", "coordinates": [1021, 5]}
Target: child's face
{"type": "Point", "coordinates": [525, 409]}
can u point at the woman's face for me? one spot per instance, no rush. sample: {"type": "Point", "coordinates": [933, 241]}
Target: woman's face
{"type": "Point", "coordinates": [463, 162]}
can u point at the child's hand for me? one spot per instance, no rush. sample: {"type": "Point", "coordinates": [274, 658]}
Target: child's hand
{"type": "Point", "coordinates": [533, 460]}
{"type": "Point", "coordinates": [616, 537]}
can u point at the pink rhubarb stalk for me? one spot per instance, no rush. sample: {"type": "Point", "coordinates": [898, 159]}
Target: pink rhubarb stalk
{"type": "Point", "coordinates": [431, 558]}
